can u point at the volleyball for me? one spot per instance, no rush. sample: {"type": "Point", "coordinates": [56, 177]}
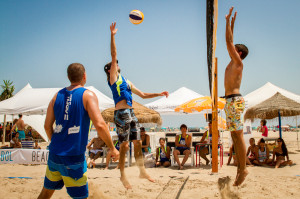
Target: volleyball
{"type": "Point", "coordinates": [136, 17]}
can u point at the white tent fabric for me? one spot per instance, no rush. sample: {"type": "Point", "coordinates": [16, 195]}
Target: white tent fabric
{"type": "Point", "coordinates": [265, 92]}
{"type": "Point", "coordinates": [37, 122]}
{"type": "Point", "coordinates": [34, 101]}
{"type": "Point", "coordinates": [166, 106]}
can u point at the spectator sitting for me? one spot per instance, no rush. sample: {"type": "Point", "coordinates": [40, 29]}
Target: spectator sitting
{"type": "Point", "coordinates": [206, 138]}
{"type": "Point", "coordinates": [252, 150]}
{"type": "Point", "coordinates": [163, 153]}
{"type": "Point", "coordinates": [145, 141]}
{"type": "Point", "coordinates": [108, 156]}
{"type": "Point", "coordinates": [264, 128]}
{"type": "Point", "coordinates": [263, 154]}
{"type": "Point", "coordinates": [280, 152]}
{"type": "Point", "coordinates": [96, 151]}
{"type": "Point", "coordinates": [15, 142]}
{"type": "Point", "coordinates": [36, 145]}
{"type": "Point", "coordinates": [182, 143]}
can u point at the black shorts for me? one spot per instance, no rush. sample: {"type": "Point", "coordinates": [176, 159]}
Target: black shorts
{"type": "Point", "coordinates": [127, 125]}
{"type": "Point", "coordinates": [182, 150]}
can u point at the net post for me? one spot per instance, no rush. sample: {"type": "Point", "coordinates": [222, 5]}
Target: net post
{"type": "Point", "coordinates": [215, 134]}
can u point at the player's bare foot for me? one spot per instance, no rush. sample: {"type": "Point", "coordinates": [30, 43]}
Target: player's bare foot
{"type": "Point", "coordinates": [240, 178]}
{"type": "Point", "coordinates": [105, 168]}
{"type": "Point", "coordinates": [125, 182]}
{"type": "Point", "coordinates": [146, 176]}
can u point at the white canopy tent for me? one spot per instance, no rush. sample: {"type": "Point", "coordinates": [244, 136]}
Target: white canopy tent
{"type": "Point", "coordinates": [166, 106]}
{"type": "Point", "coordinates": [265, 92]}
{"type": "Point", "coordinates": [33, 104]}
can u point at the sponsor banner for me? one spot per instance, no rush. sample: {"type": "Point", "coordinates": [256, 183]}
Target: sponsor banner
{"type": "Point", "coordinates": [24, 156]}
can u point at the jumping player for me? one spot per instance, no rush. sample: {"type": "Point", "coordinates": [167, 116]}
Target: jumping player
{"type": "Point", "coordinates": [235, 103]}
{"type": "Point", "coordinates": [128, 128]}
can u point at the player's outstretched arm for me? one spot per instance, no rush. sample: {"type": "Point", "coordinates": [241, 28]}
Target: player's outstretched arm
{"type": "Point", "coordinates": [147, 95]}
{"type": "Point", "coordinates": [113, 49]}
{"type": "Point", "coordinates": [50, 118]}
{"type": "Point", "coordinates": [229, 37]}
{"type": "Point", "coordinates": [90, 101]}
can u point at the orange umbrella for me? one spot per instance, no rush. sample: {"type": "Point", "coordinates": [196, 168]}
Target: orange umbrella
{"type": "Point", "coordinates": [199, 104]}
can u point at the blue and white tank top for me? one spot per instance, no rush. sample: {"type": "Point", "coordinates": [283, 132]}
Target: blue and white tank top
{"type": "Point", "coordinates": [181, 140]}
{"type": "Point", "coordinates": [121, 90]}
{"type": "Point", "coordinates": [262, 155]}
{"type": "Point", "coordinates": [72, 121]}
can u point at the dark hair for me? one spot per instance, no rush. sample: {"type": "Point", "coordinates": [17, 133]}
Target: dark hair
{"type": "Point", "coordinates": [162, 139]}
{"type": "Point", "coordinates": [262, 140]}
{"type": "Point", "coordinates": [20, 115]}
{"type": "Point", "coordinates": [242, 48]}
{"type": "Point", "coordinates": [107, 68]}
{"type": "Point", "coordinates": [264, 122]}
{"type": "Point", "coordinates": [75, 72]}
{"type": "Point", "coordinates": [142, 129]}
{"type": "Point", "coordinates": [183, 126]}
{"type": "Point", "coordinates": [283, 146]}
{"type": "Point", "coordinates": [252, 139]}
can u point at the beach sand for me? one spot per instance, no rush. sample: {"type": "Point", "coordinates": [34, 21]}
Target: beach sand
{"type": "Point", "coordinates": [262, 182]}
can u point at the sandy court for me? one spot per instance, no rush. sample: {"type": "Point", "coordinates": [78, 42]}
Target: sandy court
{"type": "Point", "coordinates": [262, 182]}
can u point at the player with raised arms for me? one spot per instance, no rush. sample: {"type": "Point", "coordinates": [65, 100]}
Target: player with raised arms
{"type": "Point", "coordinates": [128, 128]}
{"type": "Point", "coordinates": [235, 103]}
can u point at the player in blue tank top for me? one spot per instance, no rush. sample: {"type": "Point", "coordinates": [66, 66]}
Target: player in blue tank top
{"type": "Point", "coordinates": [182, 143]}
{"type": "Point", "coordinates": [125, 120]}
{"type": "Point", "coordinates": [71, 109]}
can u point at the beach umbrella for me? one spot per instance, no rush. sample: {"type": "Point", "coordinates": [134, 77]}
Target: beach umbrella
{"type": "Point", "coordinates": [276, 106]}
{"type": "Point", "coordinates": [199, 104]}
{"type": "Point", "coordinates": [143, 114]}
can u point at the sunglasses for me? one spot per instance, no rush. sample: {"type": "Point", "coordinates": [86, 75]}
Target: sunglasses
{"type": "Point", "coordinates": [278, 140]}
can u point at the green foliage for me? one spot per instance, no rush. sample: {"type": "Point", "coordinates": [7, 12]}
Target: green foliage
{"type": "Point", "coordinates": [8, 89]}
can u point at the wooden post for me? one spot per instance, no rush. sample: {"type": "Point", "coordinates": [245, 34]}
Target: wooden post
{"type": "Point", "coordinates": [215, 134]}
{"type": "Point", "coordinates": [4, 130]}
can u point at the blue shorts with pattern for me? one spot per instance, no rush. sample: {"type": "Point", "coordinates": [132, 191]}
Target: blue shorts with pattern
{"type": "Point", "coordinates": [127, 125]}
{"type": "Point", "coordinates": [70, 171]}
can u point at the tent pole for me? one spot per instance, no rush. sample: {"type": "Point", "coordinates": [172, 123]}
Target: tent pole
{"type": "Point", "coordinates": [297, 131]}
{"type": "Point", "coordinates": [279, 118]}
{"type": "Point", "coordinates": [4, 129]}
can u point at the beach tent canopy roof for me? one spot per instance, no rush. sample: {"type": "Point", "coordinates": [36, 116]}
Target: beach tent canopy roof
{"type": "Point", "coordinates": [166, 106]}
{"type": "Point", "coordinates": [265, 92]}
{"type": "Point", "coordinates": [268, 109]}
{"type": "Point", "coordinates": [35, 101]}
{"type": "Point", "coordinates": [143, 114]}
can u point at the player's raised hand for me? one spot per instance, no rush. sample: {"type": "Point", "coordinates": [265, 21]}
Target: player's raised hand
{"type": "Point", "coordinates": [229, 15]}
{"type": "Point", "coordinates": [232, 21]}
{"type": "Point", "coordinates": [113, 28]}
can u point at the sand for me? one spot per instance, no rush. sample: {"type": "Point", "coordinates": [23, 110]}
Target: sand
{"type": "Point", "coordinates": [262, 182]}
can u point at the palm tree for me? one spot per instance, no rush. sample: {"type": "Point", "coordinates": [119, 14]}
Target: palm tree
{"type": "Point", "coordinates": [8, 89]}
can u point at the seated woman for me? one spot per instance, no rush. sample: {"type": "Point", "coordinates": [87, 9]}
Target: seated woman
{"type": "Point", "coordinates": [252, 150]}
{"type": "Point", "coordinates": [145, 141]}
{"type": "Point", "coordinates": [280, 152]}
{"type": "Point", "coordinates": [206, 138]}
{"type": "Point", "coordinates": [15, 142]}
{"type": "Point", "coordinates": [182, 143]}
{"type": "Point", "coordinates": [163, 153]}
{"type": "Point", "coordinates": [108, 156]}
{"type": "Point", "coordinates": [263, 154]}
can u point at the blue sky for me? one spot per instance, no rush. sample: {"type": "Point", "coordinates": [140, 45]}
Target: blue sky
{"type": "Point", "coordinates": [39, 39]}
